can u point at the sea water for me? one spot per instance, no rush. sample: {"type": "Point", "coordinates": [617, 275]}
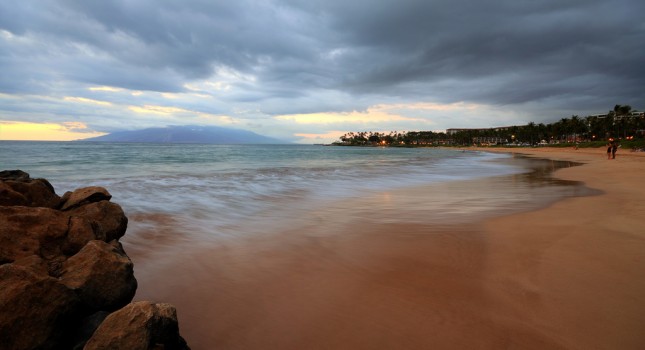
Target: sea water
{"type": "Point", "coordinates": [216, 190]}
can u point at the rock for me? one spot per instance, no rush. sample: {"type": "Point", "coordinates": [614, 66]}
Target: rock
{"type": "Point", "coordinates": [140, 325]}
{"type": "Point", "coordinates": [34, 309]}
{"type": "Point", "coordinates": [80, 232]}
{"type": "Point", "coordinates": [17, 188]}
{"type": "Point", "coordinates": [102, 275]}
{"type": "Point", "coordinates": [16, 175]}
{"type": "Point", "coordinates": [50, 233]}
{"type": "Point", "coordinates": [26, 231]}
{"type": "Point", "coordinates": [60, 278]}
{"type": "Point", "coordinates": [33, 263]}
{"type": "Point", "coordinates": [10, 197]}
{"type": "Point", "coordinates": [86, 328]}
{"type": "Point", "coordinates": [64, 198]}
{"type": "Point", "coordinates": [108, 221]}
{"type": "Point", "coordinates": [36, 193]}
{"type": "Point", "coordinates": [85, 195]}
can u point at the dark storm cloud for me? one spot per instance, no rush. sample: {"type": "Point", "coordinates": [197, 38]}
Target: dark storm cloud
{"type": "Point", "coordinates": [458, 40]}
{"type": "Point", "coordinates": [500, 52]}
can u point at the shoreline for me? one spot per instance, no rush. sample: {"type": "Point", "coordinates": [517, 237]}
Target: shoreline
{"type": "Point", "coordinates": [575, 269]}
{"type": "Point", "coordinates": [370, 282]}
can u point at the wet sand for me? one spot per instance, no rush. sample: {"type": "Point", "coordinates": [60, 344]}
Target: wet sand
{"type": "Point", "coordinates": [391, 275]}
{"type": "Point", "coordinates": [573, 272]}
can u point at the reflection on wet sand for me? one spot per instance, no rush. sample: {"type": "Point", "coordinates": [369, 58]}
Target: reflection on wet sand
{"type": "Point", "coordinates": [396, 269]}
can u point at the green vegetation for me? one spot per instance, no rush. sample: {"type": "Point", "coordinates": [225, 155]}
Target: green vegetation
{"type": "Point", "coordinates": [394, 138]}
{"type": "Point", "coordinates": [621, 124]}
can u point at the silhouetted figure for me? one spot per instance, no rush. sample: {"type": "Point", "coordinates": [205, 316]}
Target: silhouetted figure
{"type": "Point", "coordinates": [609, 150]}
{"type": "Point", "coordinates": [614, 148]}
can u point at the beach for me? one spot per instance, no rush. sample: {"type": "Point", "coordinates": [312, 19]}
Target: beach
{"type": "Point", "coordinates": [570, 272]}
{"type": "Point", "coordinates": [565, 276]}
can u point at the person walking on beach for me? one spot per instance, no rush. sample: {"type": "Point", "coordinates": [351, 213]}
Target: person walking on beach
{"type": "Point", "coordinates": [614, 148]}
{"type": "Point", "coordinates": [609, 147]}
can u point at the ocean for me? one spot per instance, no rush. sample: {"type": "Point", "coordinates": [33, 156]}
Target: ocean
{"type": "Point", "coordinates": [299, 245]}
{"type": "Point", "coordinates": [214, 191]}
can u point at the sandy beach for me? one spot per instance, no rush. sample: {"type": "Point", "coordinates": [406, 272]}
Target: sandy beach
{"type": "Point", "coordinates": [571, 272]}
{"type": "Point", "coordinates": [567, 276]}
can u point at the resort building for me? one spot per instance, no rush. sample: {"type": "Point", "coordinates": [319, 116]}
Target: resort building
{"type": "Point", "coordinates": [453, 131]}
{"type": "Point", "coordinates": [632, 114]}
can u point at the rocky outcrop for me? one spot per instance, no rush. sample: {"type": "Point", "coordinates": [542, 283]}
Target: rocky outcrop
{"type": "Point", "coordinates": [140, 325]}
{"type": "Point", "coordinates": [17, 188]}
{"type": "Point", "coordinates": [101, 275]}
{"type": "Point", "coordinates": [63, 271]}
{"type": "Point", "coordinates": [35, 309]}
{"type": "Point", "coordinates": [84, 196]}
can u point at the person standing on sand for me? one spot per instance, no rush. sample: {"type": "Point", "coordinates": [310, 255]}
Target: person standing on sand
{"type": "Point", "coordinates": [614, 148]}
{"type": "Point", "coordinates": [609, 150]}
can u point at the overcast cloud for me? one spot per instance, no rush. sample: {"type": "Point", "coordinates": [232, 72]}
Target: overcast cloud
{"type": "Point", "coordinates": [296, 69]}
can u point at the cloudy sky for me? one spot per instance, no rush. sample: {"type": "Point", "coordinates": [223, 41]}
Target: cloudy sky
{"type": "Point", "coordinates": [309, 70]}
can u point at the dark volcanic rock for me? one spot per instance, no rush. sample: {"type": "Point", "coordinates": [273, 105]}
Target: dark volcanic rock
{"type": "Point", "coordinates": [84, 195]}
{"type": "Point", "coordinates": [15, 175]}
{"type": "Point", "coordinates": [140, 325]}
{"type": "Point", "coordinates": [9, 196]}
{"type": "Point", "coordinates": [35, 193]}
{"type": "Point", "coordinates": [108, 221]}
{"type": "Point", "coordinates": [86, 328]}
{"type": "Point", "coordinates": [28, 231]}
{"type": "Point", "coordinates": [34, 309]}
{"type": "Point", "coordinates": [102, 275]}
{"type": "Point", "coordinates": [17, 188]}
{"type": "Point", "coordinates": [50, 233]}
{"type": "Point", "coordinates": [62, 270]}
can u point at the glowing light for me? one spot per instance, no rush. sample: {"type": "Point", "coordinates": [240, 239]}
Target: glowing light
{"type": "Point", "coordinates": [383, 113]}
{"type": "Point", "coordinates": [105, 88]}
{"type": "Point", "coordinates": [169, 96]}
{"type": "Point", "coordinates": [331, 135]}
{"type": "Point", "coordinates": [163, 110]}
{"type": "Point", "coordinates": [66, 131]}
{"type": "Point", "coordinates": [86, 100]}
{"type": "Point", "coordinates": [207, 86]}
{"type": "Point", "coordinates": [372, 115]}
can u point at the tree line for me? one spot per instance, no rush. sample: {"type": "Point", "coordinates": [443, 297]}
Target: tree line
{"type": "Point", "coordinates": [620, 123]}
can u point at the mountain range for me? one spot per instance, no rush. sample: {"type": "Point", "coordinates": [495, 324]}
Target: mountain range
{"type": "Point", "coordinates": [188, 134]}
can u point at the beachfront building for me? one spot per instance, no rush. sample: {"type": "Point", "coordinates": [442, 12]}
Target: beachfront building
{"type": "Point", "coordinates": [453, 131]}
{"type": "Point", "coordinates": [623, 123]}
{"type": "Point", "coordinates": [617, 117]}
{"type": "Point", "coordinates": [490, 141]}
{"type": "Point", "coordinates": [485, 136]}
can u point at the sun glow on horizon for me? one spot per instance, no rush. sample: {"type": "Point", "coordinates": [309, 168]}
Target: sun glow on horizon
{"type": "Point", "coordinates": [24, 131]}
{"type": "Point", "coordinates": [320, 137]}
{"type": "Point", "coordinates": [382, 113]}
{"type": "Point", "coordinates": [372, 115]}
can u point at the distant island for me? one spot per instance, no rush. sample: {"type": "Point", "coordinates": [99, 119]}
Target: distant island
{"type": "Point", "coordinates": [188, 134]}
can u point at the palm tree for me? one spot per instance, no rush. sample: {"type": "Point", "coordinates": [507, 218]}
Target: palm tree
{"type": "Point", "coordinates": [624, 110]}
{"type": "Point", "coordinates": [623, 115]}
{"type": "Point", "coordinates": [560, 129]}
{"type": "Point", "coordinates": [531, 132]}
{"type": "Point", "coordinates": [577, 126]}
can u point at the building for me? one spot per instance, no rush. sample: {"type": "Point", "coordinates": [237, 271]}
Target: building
{"type": "Point", "coordinates": [453, 131]}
